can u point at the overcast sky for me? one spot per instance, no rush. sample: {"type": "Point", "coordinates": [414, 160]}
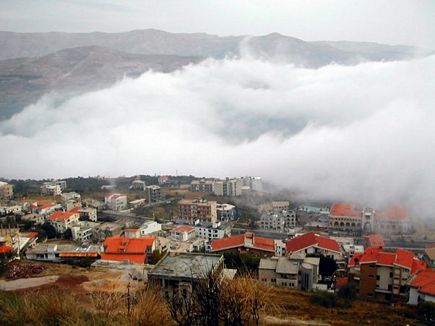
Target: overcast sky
{"type": "Point", "coordinates": [393, 21]}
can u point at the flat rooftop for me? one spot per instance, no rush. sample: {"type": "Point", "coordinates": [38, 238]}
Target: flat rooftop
{"type": "Point", "coordinates": [186, 265]}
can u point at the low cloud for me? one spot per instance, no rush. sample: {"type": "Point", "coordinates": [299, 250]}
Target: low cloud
{"type": "Point", "coordinates": [364, 133]}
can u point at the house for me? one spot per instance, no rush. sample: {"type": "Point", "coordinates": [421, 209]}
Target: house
{"type": "Point", "coordinates": [84, 231]}
{"type": "Point", "coordinates": [311, 243]}
{"type": "Point", "coordinates": [213, 231]}
{"type": "Point", "coordinates": [47, 209]}
{"type": "Point", "coordinates": [383, 275]}
{"type": "Point", "coordinates": [88, 214]}
{"type": "Point", "coordinates": [179, 273]}
{"type": "Point", "coordinates": [247, 242]}
{"type": "Point", "coordinates": [193, 210]}
{"type": "Point", "coordinates": [116, 202]}
{"type": "Point", "coordinates": [71, 200]}
{"type": "Point", "coordinates": [345, 219]}
{"type": "Point", "coordinates": [133, 251]}
{"type": "Point", "coordinates": [149, 227]}
{"type": "Point", "coordinates": [296, 271]}
{"type": "Point", "coordinates": [51, 189]}
{"type": "Point", "coordinates": [63, 252]}
{"type": "Point", "coordinates": [422, 287]}
{"type": "Point", "coordinates": [107, 229]}
{"type": "Point", "coordinates": [62, 221]}
{"type": "Point", "coordinates": [429, 256]}
{"type": "Point", "coordinates": [132, 232]}
{"type": "Point", "coordinates": [183, 233]}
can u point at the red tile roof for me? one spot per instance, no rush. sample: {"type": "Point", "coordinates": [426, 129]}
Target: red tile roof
{"type": "Point", "coordinates": [341, 281]}
{"type": "Point", "coordinates": [120, 249]}
{"type": "Point", "coordinates": [342, 209]}
{"type": "Point", "coordinates": [392, 213]}
{"type": "Point", "coordinates": [5, 249]}
{"type": "Point", "coordinates": [182, 228]}
{"type": "Point", "coordinates": [310, 239]}
{"type": "Point", "coordinates": [425, 281]}
{"type": "Point", "coordinates": [32, 235]}
{"type": "Point", "coordinates": [60, 216]}
{"type": "Point", "coordinates": [236, 241]}
{"type": "Point", "coordinates": [74, 210]}
{"type": "Point", "coordinates": [375, 240]}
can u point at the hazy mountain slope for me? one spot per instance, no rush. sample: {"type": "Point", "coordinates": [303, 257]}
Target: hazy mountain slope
{"type": "Point", "coordinates": [72, 71]}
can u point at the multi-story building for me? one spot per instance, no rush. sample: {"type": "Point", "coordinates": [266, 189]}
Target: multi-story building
{"type": "Point", "coordinates": [422, 287]}
{"type": "Point", "coordinates": [83, 231]}
{"type": "Point", "coordinates": [149, 227]}
{"type": "Point", "coordinates": [153, 194]}
{"type": "Point", "coordinates": [297, 272]}
{"type": "Point", "coordinates": [228, 187]}
{"type": "Point", "coordinates": [131, 250]}
{"type": "Point", "coordinates": [393, 220]}
{"type": "Point", "coordinates": [383, 275]}
{"type": "Point", "coordinates": [88, 214]}
{"type": "Point", "coordinates": [49, 189]}
{"type": "Point", "coordinates": [206, 186]}
{"type": "Point", "coordinates": [138, 184]}
{"type": "Point", "coordinates": [213, 231]}
{"type": "Point", "coordinates": [345, 219]}
{"type": "Point", "coordinates": [6, 190]}
{"type": "Point", "coordinates": [183, 233]}
{"type": "Point", "coordinates": [116, 202]}
{"type": "Point", "coordinates": [192, 211]}
{"type": "Point", "coordinates": [278, 220]}
{"type": "Point", "coordinates": [62, 221]}
{"type": "Point", "coordinates": [226, 212]}
{"type": "Point", "coordinates": [254, 183]}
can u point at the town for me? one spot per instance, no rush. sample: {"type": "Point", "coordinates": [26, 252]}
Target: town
{"type": "Point", "coordinates": [170, 231]}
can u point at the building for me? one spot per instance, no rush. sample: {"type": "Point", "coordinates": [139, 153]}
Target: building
{"type": "Point", "coordinates": [116, 202]}
{"type": "Point", "coordinates": [193, 211]}
{"type": "Point", "coordinates": [226, 212]}
{"type": "Point", "coordinates": [393, 220]}
{"type": "Point", "coordinates": [153, 194]}
{"type": "Point", "coordinates": [311, 243]}
{"type": "Point", "coordinates": [107, 229]}
{"type": "Point", "coordinates": [138, 184]}
{"type": "Point", "coordinates": [374, 240]}
{"type": "Point", "coordinates": [422, 287]}
{"type": "Point", "coordinates": [68, 196]}
{"type": "Point", "coordinates": [63, 221]}
{"type": "Point", "coordinates": [345, 219]}
{"type": "Point", "coordinates": [228, 187]}
{"type": "Point", "coordinates": [297, 272]}
{"type": "Point", "coordinates": [429, 256]}
{"type": "Point", "coordinates": [138, 203]}
{"type": "Point", "coordinates": [282, 220]}
{"type": "Point", "coordinates": [247, 242]}
{"type": "Point", "coordinates": [183, 233]}
{"type": "Point", "coordinates": [383, 275]}
{"type": "Point", "coordinates": [254, 183]}
{"type": "Point", "coordinates": [49, 189]}
{"type": "Point", "coordinates": [83, 231]}
{"type": "Point", "coordinates": [88, 214]}
{"type": "Point", "coordinates": [6, 190]}
{"type": "Point", "coordinates": [177, 274]}
{"type": "Point", "coordinates": [47, 209]}
{"type": "Point", "coordinates": [62, 252]}
{"type": "Point", "coordinates": [205, 186]}
{"type": "Point", "coordinates": [131, 250]}
{"type": "Point", "coordinates": [149, 227]}
{"type": "Point", "coordinates": [213, 231]}
{"type": "Point", "coordinates": [314, 210]}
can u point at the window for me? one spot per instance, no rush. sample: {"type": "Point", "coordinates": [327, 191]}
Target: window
{"type": "Point", "coordinates": [378, 277]}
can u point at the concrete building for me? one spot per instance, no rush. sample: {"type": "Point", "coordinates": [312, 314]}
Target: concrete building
{"type": "Point", "coordinates": [88, 214]}
{"type": "Point", "coordinates": [149, 227]}
{"type": "Point", "coordinates": [213, 231]}
{"type": "Point", "coordinates": [49, 189]}
{"type": "Point", "coordinates": [383, 275]}
{"type": "Point", "coordinates": [226, 212]}
{"type": "Point", "coordinates": [343, 218]}
{"type": "Point", "coordinates": [254, 183]}
{"type": "Point", "coordinates": [177, 274]}
{"type": "Point", "coordinates": [153, 194]}
{"type": "Point", "coordinates": [67, 196]}
{"type": "Point", "coordinates": [193, 211]}
{"type": "Point", "coordinates": [6, 190]}
{"type": "Point", "coordinates": [116, 202]}
{"type": "Point", "coordinates": [205, 186]}
{"type": "Point", "coordinates": [282, 220]}
{"type": "Point", "coordinates": [296, 272]}
{"type": "Point", "coordinates": [107, 229]}
{"type": "Point", "coordinates": [83, 231]}
{"type": "Point", "coordinates": [228, 187]}
{"type": "Point", "coordinates": [138, 184]}
{"type": "Point", "coordinates": [391, 221]}
{"type": "Point", "coordinates": [429, 256]}
{"type": "Point", "coordinates": [183, 233]}
{"type": "Point", "coordinates": [63, 221]}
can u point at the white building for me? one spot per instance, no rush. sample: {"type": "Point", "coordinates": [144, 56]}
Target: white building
{"type": "Point", "coordinates": [67, 196]}
{"type": "Point", "coordinates": [49, 189]}
{"type": "Point", "coordinates": [88, 213]}
{"type": "Point", "coordinates": [254, 183]}
{"type": "Point", "coordinates": [226, 212]}
{"type": "Point", "coordinates": [62, 221]}
{"type": "Point", "coordinates": [153, 194]}
{"type": "Point", "coordinates": [149, 227]}
{"type": "Point", "coordinates": [138, 185]}
{"type": "Point", "coordinates": [213, 231]}
{"type": "Point", "coordinates": [6, 190]}
{"type": "Point", "coordinates": [116, 202]}
{"type": "Point", "coordinates": [228, 187]}
{"type": "Point", "coordinates": [183, 233]}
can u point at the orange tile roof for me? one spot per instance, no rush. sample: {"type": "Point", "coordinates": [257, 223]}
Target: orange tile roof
{"type": "Point", "coordinates": [74, 210]}
{"type": "Point", "coordinates": [5, 249]}
{"type": "Point", "coordinates": [59, 216]}
{"type": "Point", "coordinates": [32, 235]}
{"type": "Point", "coordinates": [182, 228]}
{"type": "Point", "coordinates": [120, 248]}
{"type": "Point", "coordinates": [310, 239]}
{"type": "Point", "coordinates": [425, 281]}
{"type": "Point", "coordinates": [342, 209]}
{"type": "Point", "coordinates": [375, 240]}
{"type": "Point", "coordinates": [392, 213]}
{"type": "Point", "coordinates": [236, 241]}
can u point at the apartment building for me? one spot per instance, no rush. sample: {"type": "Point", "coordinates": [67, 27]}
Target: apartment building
{"type": "Point", "coordinates": [6, 190]}
{"type": "Point", "coordinates": [278, 220]}
{"type": "Point", "coordinates": [213, 231]}
{"type": "Point", "coordinates": [383, 275]}
{"type": "Point", "coordinates": [228, 187]}
{"type": "Point", "coordinates": [83, 231]}
{"type": "Point", "coordinates": [226, 212]}
{"type": "Point", "coordinates": [192, 211]}
{"type": "Point", "coordinates": [49, 189]}
{"type": "Point", "coordinates": [153, 194]}
{"type": "Point", "coordinates": [116, 202]}
{"type": "Point", "coordinates": [206, 186]}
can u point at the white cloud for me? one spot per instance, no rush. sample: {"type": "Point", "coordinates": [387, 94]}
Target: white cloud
{"type": "Point", "coordinates": [364, 133]}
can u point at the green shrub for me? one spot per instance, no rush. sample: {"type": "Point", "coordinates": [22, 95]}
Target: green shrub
{"type": "Point", "coordinates": [329, 300]}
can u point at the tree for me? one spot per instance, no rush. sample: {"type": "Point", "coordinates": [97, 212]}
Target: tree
{"type": "Point", "coordinates": [49, 229]}
{"type": "Point", "coordinates": [327, 266]}
{"type": "Point", "coordinates": [347, 292]}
